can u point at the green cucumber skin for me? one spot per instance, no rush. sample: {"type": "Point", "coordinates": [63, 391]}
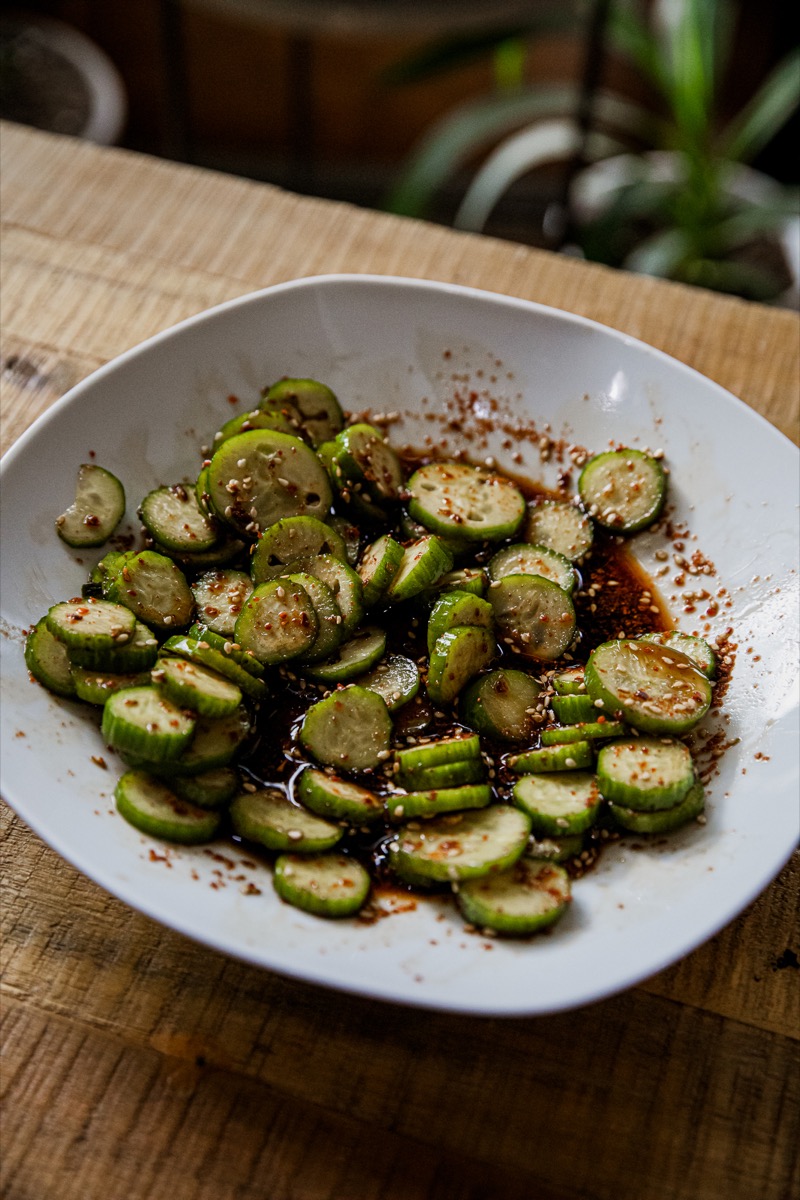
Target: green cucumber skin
{"type": "Point", "coordinates": [457, 657]}
{"type": "Point", "coordinates": [488, 903]}
{"type": "Point", "coordinates": [433, 801]}
{"type": "Point", "coordinates": [457, 608]}
{"type": "Point", "coordinates": [48, 662]}
{"type": "Point", "coordinates": [575, 756]}
{"type": "Point", "coordinates": [182, 822]}
{"type": "Point", "coordinates": [626, 704]}
{"type": "Point", "coordinates": [303, 895]}
{"type": "Point", "coordinates": [614, 518]}
{"type": "Point", "coordinates": [350, 730]}
{"type": "Point", "coordinates": [664, 820]}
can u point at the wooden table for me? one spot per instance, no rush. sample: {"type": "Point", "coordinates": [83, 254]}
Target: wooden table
{"type": "Point", "coordinates": [140, 1065]}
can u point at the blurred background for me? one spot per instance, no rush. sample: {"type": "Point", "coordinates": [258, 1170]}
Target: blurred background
{"type": "Point", "coordinates": [655, 135]}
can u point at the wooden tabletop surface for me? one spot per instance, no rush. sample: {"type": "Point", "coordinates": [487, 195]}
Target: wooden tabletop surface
{"type": "Point", "coordinates": [139, 1065]}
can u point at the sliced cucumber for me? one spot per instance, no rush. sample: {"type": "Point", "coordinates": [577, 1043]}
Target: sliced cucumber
{"type": "Point", "coordinates": [198, 650]}
{"type": "Point", "coordinates": [663, 820]}
{"type": "Point", "coordinates": [321, 415]}
{"type": "Point", "coordinates": [461, 501]}
{"type": "Point", "coordinates": [436, 754]}
{"type": "Point", "coordinates": [343, 582]}
{"type": "Point", "coordinates": [528, 897]}
{"type": "Point", "coordinates": [457, 608]}
{"type": "Point", "coordinates": [209, 789]}
{"type": "Point", "coordinates": [694, 647]}
{"type": "Point", "coordinates": [535, 617]}
{"type": "Point", "coordinates": [328, 614]}
{"type": "Point", "coordinates": [434, 801]}
{"type": "Point", "coordinates": [96, 511]}
{"type": "Point", "coordinates": [655, 689]}
{"type": "Point", "coordinates": [570, 757]}
{"type": "Point", "coordinates": [339, 799]}
{"type": "Point", "coordinates": [94, 626]}
{"type": "Point", "coordinates": [623, 490]}
{"type": "Point", "coordinates": [572, 709]}
{"type": "Point", "coordinates": [135, 655]}
{"type": "Point", "coordinates": [352, 659]}
{"type": "Point", "coordinates": [220, 596]}
{"type": "Point", "coordinates": [446, 775]}
{"type": "Point", "coordinates": [556, 849]}
{"type": "Point", "coordinates": [47, 660]}
{"type": "Point", "coordinates": [327, 885]}
{"type": "Point", "coordinates": [191, 685]}
{"type": "Point", "coordinates": [257, 478]}
{"type": "Point", "coordinates": [216, 742]}
{"type": "Point", "coordinates": [154, 588]}
{"type": "Point", "coordinates": [200, 632]}
{"type": "Point", "coordinates": [287, 541]}
{"type": "Point", "coordinates": [457, 656]}
{"type": "Point", "coordinates": [465, 579]}
{"type": "Point", "coordinates": [461, 845]}
{"type": "Point", "coordinates": [522, 559]}
{"type": "Point", "coordinates": [141, 721]}
{"type": "Point", "coordinates": [278, 622]}
{"type": "Point", "coordinates": [424, 561]}
{"type": "Point", "coordinates": [560, 526]}
{"type": "Point", "coordinates": [258, 418]}
{"type": "Point", "coordinates": [395, 679]}
{"type": "Point", "coordinates": [570, 682]}
{"type": "Point", "coordinates": [590, 731]}
{"type": "Point", "coordinates": [566, 802]}
{"type": "Point", "coordinates": [228, 550]}
{"type": "Point", "coordinates": [173, 517]}
{"type": "Point", "coordinates": [350, 730]}
{"type": "Point", "coordinates": [379, 565]}
{"type": "Point", "coordinates": [271, 819]}
{"type": "Point", "coordinates": [151, 807]}
{"type": "Point", "coordinates": [645, 773]}
{"type": "Point", "coordinates": [94, 687]}
{"type": "Point", "coordinates": [502, 705]}
{"type": "Point", "coordinates": [369, 464]}
{"type": "Point", "coordinates": [350, 535]}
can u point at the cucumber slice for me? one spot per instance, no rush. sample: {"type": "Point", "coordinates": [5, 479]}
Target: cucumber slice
{"type": "Point", "coordinates": [172, 516]}
{"type": "Point", "coordinates": [143, 722]}
{"type": "Point", "coordinates": [412, 531]}
{"type": "Point", "coordinates": [522, 559]}
{"type": "Point", "coordinates": [465, 579]}
{"type": "Point", "coordinates": [623, 490]}
{"type": "Point", "coordinates": [328, 796]}
{"type": "Point", "coordinates": [457, 656]}
{"type": "Point", "coordinates": [694, 647]}
{"type": "Point", "coordinates": [424, 561]}
{"type": "Point", "coordinates": [572, 709]}
{"type": "Point", "coordinates": [105, 570]}
{"type": "Point", "coordinates": [201, 633]}
{"type": "Point", "coordinates": [560, 526]}
{"type": "Point", "coordinates": [327, 885]}
{"type": "Point", "coordinates": [535, 617]}
{"type": "Point", "coordinates": [215, 743]}
{"type": "Point", "coordinates": [350, 535]}
{"type": "Point", "coordinates": [209, 789]}
{"type": "Point", "coordinates": [47, 660]}
{"type": "Point", "coordinates": [328, 613]}
{"type": "Point", "coordinates": [190, 685]}
{"type": "Point", "coordinates": [321, 415]}
{"type": "Point", "coordinates": [154, 588]}
{"type": "Point", "coordinates": [457, 608]}
{"type": "Point", "coordinates": [278, 622]}
{"type": "Point", "coordinates": [378, 567]}
{"type": "Point", "coordinates": [395, 679]}
{"type": "Point", "coordinates": [446, 775]}
{"type": "Point", "coordinates": [567, 802]}
{"type": "Point", "coordinates": [663, 820]}
{"type": "Point", "coordinates": [461, 845]}
{"type": "Point", "coordinates": [200, 651]}
{"type": "Point", "coordinates": [531, 896]}
{"type": "Point", "coordinates": [220, 596]}
{"type": "Point", "coordinates": [433, 801]}
{"type": "Point", "coordinates": [645, 773]}
{"type": "Point", "coordinates": [350, 730]}
{"type": "Point", "coordinates": [257, 418]}
{"type": "Point", "coordinates": [271, 819]}
{"type": "Point", "coordinates": [345, 585]}
{"type": "Point", "coordinates": [281, 546]}
{"type": "Point", "coordinates": [439, 753]}
{"type": "Point", "coordinates": [138, 654]}
{"type": "Point", "coordinates": [502, 705]}
{"type": "Point", "coordinates": [461, 501]}
{"type": "Point", "coordinates": [570, 757]}
{"type": "Point", "coordinates": [369, 464]}
{"type": "Point", "coordinates": [588, 731]}
{"type": "Point", "coordinates": [94, 687]}
{"type": "Point", "coordinates": [257, 478]}
{"type": "Point", "coordinates": [151, 807]}
{"type": "Point", "coordinates": [570, 682]}
{"type": "Point", "coordinates": [352, 659]}
{"type": "Point", "coordinates": [228, 550]}
{"type": "Point", "coordinates": [655, 689]}
{"type": "Point", "coordinates": [556, 849]}
{"type": "Point", "coordinates": [96, 626]}
{"type": "Point", "coordinates": [96, 511]}
{"type": "Point", "coordinates": [352, 494]}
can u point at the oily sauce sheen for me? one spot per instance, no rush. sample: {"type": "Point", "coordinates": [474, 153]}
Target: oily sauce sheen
{"type": "Point", "coordinates": [614, 598]}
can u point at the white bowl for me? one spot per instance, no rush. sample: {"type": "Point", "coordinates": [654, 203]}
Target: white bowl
{"type": "Point", "coordinates": [385, 344]}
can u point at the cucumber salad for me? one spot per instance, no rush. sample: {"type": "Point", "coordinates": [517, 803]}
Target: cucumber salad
{"type": "Point", "coordinates": [382, 670]}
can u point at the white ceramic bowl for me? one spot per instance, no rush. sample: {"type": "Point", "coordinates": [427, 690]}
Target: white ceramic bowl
{"type": "Point", "coordinates": [385, 344]}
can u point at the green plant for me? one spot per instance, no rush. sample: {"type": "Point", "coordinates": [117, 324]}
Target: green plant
{"type": "Point", "coordinates": [685, 223]}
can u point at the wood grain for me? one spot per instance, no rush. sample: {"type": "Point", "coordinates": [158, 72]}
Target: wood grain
{"type": "Point", "coordinates": [142, 1065]}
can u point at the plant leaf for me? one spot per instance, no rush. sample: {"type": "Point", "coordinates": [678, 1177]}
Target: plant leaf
{"type": "Point", "coordinates": [633, 38]}
{"type": "Point", "coordinates": [661, 255]}
{"type": "Point", "coordinates": [761, 118]}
